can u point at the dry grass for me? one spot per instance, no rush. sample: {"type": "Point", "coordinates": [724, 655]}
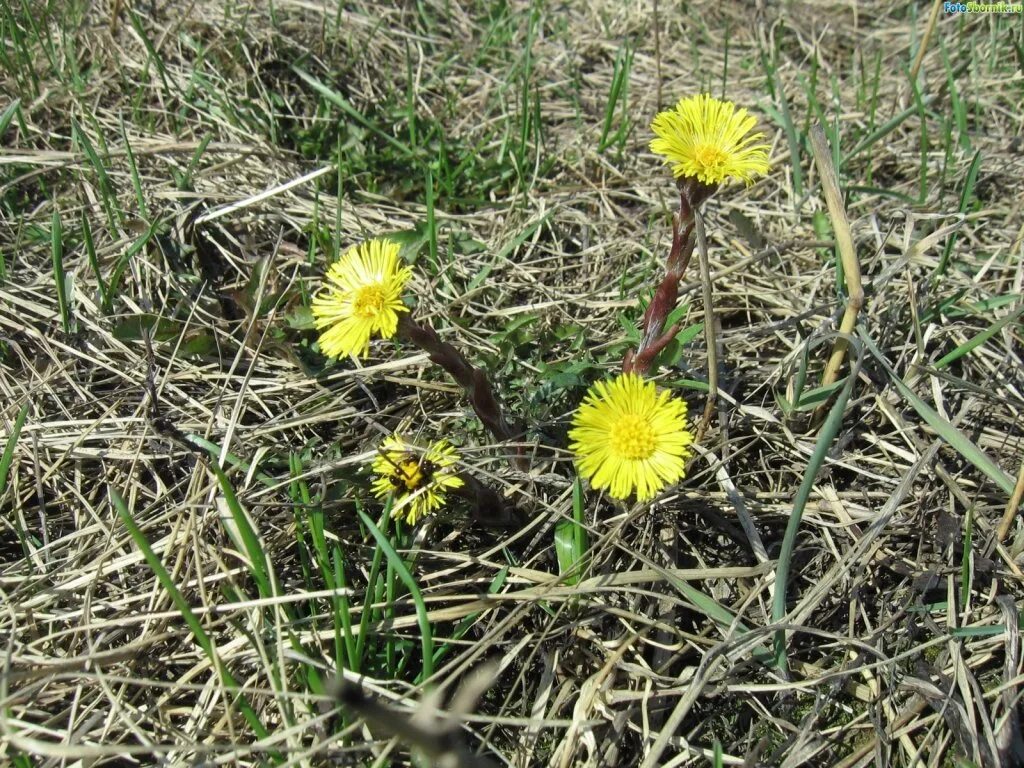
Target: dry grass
{"type": "Point", "coordinates": [172, 133]}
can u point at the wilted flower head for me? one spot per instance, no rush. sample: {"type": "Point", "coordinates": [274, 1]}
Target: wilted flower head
{"type": "Point", "coordinates": [708, 139]}
{"type": "Point", "coordinates": [362, 297]}
{"type": "Point", "coordinates": [627, 437]}
{"type": "Point", "coordinates": [419, 478]}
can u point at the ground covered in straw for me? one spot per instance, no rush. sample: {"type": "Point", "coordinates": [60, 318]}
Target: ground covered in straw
{"type": "Point", "coordinates": [191, 557]}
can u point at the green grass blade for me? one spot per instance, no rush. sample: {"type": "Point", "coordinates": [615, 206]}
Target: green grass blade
{"type": "Point", "coordinates": [827, 434]}
{"type": "Point", "coordinates": [463, 626]}
{"type": "Point", "coordinates": [617, 91]}
{"type": "Point", "coordinates": [371, 589]}
{"type": "Point", "coordinates": [966, 196]}
{"type": "Point", "coordinates": [8, 115]}
{"type": "Point", "coordinates": [342, 613]}
{"type": "Point", "coordinates": [94, 262]}
{"type": "Point", "coordinates": [793, 139]}
{"type": "Point", "coordinates": [5, 469]}
{"type": "Point", "coordinates": [566, 551]}
{"type": "Point", "coordinates": [184, 180]}
{"type": "Point", "coordinates": [507, 249]}
{"type": "Point", "coordinates": [59, 276]}
{"type": "Point", "coordinates": [12, 440]}
{"type": "Point", "coordinates": [923, 143]}
{"type": "Point", "coordinates": [717, 757]}
{"type": "Point", "coordinates": [887, 127]}
{"type": "Point", "coordinates": [339, 101]}
{"type": "Point", "coordinates": [812, 398]}
{"type": "Point", "coordinates": [235, 461]}
{"type": "Point", "coordinates": [976, 341]}
{"type": "Point", "coordinates": [957, 106]}
{"type": "Point", "coordinates": [161, 574]}
{"type": "Point", "coordinates": [722, 616]}
{"type": "Point", "coordinates": [107, 195]}
{"type": "Point", "coordinates": [431, 221]}
{"type": "Point", "coordinates": [114, 283]}
{"type": "Point", "coordinates": [965, 559]}
{"type": "Point", "coordinates": [152, 56]}
{"type": "Point", "coordinates": [571, 541]}
{"type": "Point", "coordinates": [134, 169]}
{"type": "Point", "coordinates": [187, 614]}
{"type": "Point", "coordinates": [250, 540]}
{"type": "Point", "coordinates": [957, 439]}
{"type": "Point", "coordinates": [395, 562]}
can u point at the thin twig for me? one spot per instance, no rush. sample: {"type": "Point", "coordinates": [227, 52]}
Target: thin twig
{"type": "Point", "coordinates": [1012, 506]}
{"type": "Point", "coordinates": [933, 18]}
{"type": "Point", "coordinates": [709, 328]}
{"type": "Point", "coordinates": [657, 52]}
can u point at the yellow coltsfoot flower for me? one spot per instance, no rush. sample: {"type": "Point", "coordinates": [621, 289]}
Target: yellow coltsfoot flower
{"type": "Point", "coordinates": [708, 139]}
{"type": "Point", "coordinates": [362, 297]}
{"type": "Point", "coordinates": [629, 437]}
{"type": "Point", "coordinates": [419, 478]}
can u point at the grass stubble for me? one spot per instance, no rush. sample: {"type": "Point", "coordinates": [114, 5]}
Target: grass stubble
{"type": "Point", "coordinates": [189, 555]}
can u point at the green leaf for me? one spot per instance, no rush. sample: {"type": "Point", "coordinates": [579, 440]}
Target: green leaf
{"type": "Point", "coordinates": [673, 351]}
{"type": "Point", "coordinates": [515, 331]}
{"type": "Point", "coordinates": [677, 315]}
{"type": "Point", "coordinates": [203, 345]}
{"type": "Point", "coordinates": [567, 551]}
{"type": "Point", "coordinates": [60, 278]}
{"type": "Point", "coordinates": [571, 540]}
{"type": "Point", "coordinates": [301, 319]}
{"type": "Point", "coordinates": [629, 327]}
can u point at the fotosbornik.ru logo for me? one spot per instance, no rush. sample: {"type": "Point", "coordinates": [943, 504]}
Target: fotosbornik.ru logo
{"type": "Point", "coordinates": [983, 7]}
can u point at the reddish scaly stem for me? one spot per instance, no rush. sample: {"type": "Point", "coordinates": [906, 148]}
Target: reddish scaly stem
{"type": "Point", "coordinates": [472, 380]}
{"type": "Point", "coordinates": [692, 194]}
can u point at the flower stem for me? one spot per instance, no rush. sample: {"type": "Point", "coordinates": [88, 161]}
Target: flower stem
{"type": "Point", "coordinates": [473, 381]}
{"type": "Point", "coordinates": [488, 507]}
{"type": "Point", "coordinates": [692, 194]}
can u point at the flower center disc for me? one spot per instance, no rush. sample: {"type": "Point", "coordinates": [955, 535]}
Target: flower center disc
{"type": "Point", "coordinates": [369, 302]}
{"type": "Point", "coordinates": [412, 475]}
{"type": "Point", "coordinates": [632, 438]}
{"type": "Point", "coordinates": [709, 157]}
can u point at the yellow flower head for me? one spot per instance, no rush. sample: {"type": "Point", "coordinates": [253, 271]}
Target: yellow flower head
{"type": "Point", "coordinates": [627, 437]}
{"type": "Point", "coordinates": [707, 139]}
{"type": "Point", "coordinates": [362, 297]}
{"type": "Point", "coordinates": [419, 478]}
